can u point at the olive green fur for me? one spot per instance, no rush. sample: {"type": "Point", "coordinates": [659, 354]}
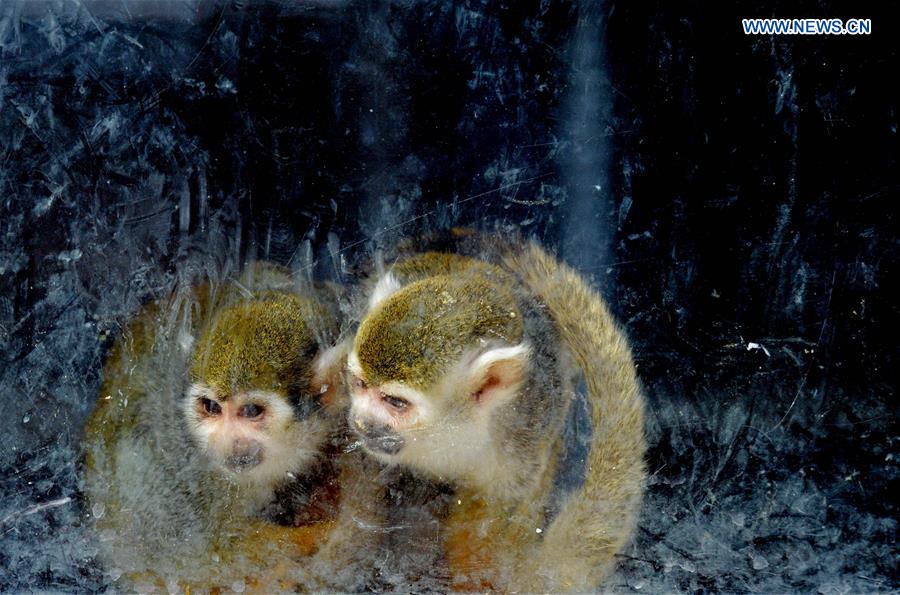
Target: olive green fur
{"type": "Point", "coordinates": [425, 327]}
{"type": "Point", "coordinates": [261, 343]}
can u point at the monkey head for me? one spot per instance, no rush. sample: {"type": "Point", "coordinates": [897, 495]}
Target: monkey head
{"type": "Point", "coordinates": [432, 364]}
{"type": "Point", "coordinates": [260, 386]}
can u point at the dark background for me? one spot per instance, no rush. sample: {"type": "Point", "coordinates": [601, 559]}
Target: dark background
{"type": "Point", "coordinates": [733, 196]}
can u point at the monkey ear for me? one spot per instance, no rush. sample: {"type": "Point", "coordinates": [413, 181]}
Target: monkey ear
{"type": "Point", "coordinates": [497, 374]}
{"type": "Point", "coordinates": [327, 370]}
{"type": "Point", "coordinates": [185, 341]}
{"type": "Point", "coordinates": [383, 289]}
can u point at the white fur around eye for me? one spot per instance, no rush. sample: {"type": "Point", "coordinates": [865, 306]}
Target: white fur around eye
{"type": "Point", "coordinates": [289, 445]}
{"type": "Point", "coordinates": [277, 408]}
{"type": "Point", "coordinates": [200, 430]}
{"type": "Point", "coordinates": [416, 399]}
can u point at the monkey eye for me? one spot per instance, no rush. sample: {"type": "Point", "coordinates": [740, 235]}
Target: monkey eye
{"type": "Point", "coordinates": [358, 383]}
{"type": "Point", "coordinates": [210, 407]}
{"type": "Point", "coordinates": [395, 402]}
{"type": "Point", "coordinates": [251, 410]}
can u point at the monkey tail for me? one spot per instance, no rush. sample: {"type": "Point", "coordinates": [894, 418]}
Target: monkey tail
{"type": "Point", "coordinates": [595, 522]}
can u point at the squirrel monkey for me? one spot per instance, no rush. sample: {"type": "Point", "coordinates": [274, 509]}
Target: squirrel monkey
{"type": "Point", "coordinates": [463, 370]}
{"type": "Point", "coordinates": [197, 449]}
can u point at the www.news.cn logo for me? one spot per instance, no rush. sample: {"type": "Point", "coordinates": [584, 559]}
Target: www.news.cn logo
{"type": "Point", "coordinates": [807, 26]}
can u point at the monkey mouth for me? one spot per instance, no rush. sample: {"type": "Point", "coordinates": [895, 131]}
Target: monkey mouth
{"type": "Point", "coordinates": [377, 439]}
{"type": "Point", "coordinates": [384, 444]}
{"type": "Point", "coordinates": [244, 461]}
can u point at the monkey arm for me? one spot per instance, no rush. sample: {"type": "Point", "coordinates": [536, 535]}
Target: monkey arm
{"type": "Point", "coordinates": [345, 557]}
{"type": "Point", "coordinates": [486, 542]}
{"type": "Point", "coordinates": [333, 553]}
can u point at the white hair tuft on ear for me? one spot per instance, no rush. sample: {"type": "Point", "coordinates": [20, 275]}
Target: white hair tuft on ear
{"type": "Point", "coordinates": [383, 289]}
{"type": "Point", "coordinates": [520, 352]}
{"type": "Point", "coordinates": [498, 373]}
{"type": "Point", "coordinates": [329, 361]}
{"type": "Point", "coordinates": [185, 340]}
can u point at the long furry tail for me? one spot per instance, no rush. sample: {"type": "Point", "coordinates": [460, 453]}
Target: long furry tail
{"type": "Point", "coordinates": [595, 522]}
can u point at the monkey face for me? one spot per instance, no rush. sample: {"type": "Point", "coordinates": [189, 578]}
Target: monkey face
{"type": "Point", "coordinates": [381, 415]}
{"type": "Point", "coordinates": [252, 436]}
{"type": "Point", "coordinates": [443, 430]}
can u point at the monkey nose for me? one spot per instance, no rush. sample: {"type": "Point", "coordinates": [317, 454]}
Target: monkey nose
{"type": "Point", "coordinates": [367, 429]}
{"type": "Point", "coordinates": [245, 455]}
